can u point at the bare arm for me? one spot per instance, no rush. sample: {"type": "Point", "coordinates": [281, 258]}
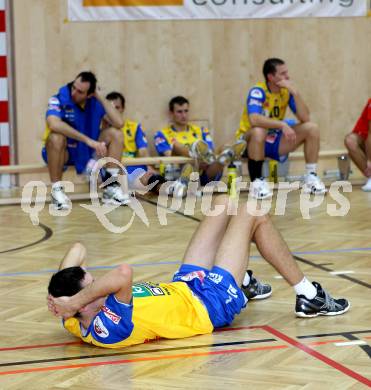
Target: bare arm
{"type": "Point", "coordinates": [257, 120]}
{"type": "Point", "coordinates": [143, 152]}
{"type": "Point", "coordinates": [117, 281]}
{"type": "Point", "coordinates": [302, 110]}
{"type": "Point", "coordinates": [57, 125]}
{"type": "Point", "coordinates": [113, 116]}
{"type": "Point", "coordinates": [75, 257]}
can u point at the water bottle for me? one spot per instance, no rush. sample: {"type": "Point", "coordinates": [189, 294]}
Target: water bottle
{"type": "Point", "coordinates": [169, 172]}
{"type": "Point", "coordinates": [232, 176]}
{"type": "Point", "coordinates": [273, 171]}
{"type": "Point", "coordinates": [344, 167]}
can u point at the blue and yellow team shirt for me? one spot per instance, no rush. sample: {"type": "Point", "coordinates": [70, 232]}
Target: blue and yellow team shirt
{"type": "Point", "coordinates": [85, 119]}
{"type": "Point", "coordinates": [164, 138]}
{"type": "Point", "coordinates": [134, 138]}
{"type": "Point", "coordinates": [260, 100]}
{"type": "Point", "coordinates": [165, 310]}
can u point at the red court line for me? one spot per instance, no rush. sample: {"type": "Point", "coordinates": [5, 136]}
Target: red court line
{"type": "Point", "coordinates": [143, 359]}
{"type": "Point", "coordinates": [314, 343]}
{"type": "Point", "coordinates": [82, 343]}
{"type": "Point", "coordinates": [317, 355]}
{"type": "Point", "coordinates": [42, 346]}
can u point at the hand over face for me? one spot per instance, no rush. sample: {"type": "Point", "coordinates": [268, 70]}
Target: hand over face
{"type": "Point", "coordinates": [61, 307]}
{"type": "Point", "coordinates": [288, 84]}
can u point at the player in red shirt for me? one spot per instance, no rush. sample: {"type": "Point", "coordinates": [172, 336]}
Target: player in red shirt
{"type": "Point", "coordinates": [358, 143]}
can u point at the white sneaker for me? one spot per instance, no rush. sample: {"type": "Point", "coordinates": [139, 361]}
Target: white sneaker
{"type": "Point", "coordinates": [367, 186]}
{"type": "Point", "coordinates": [113, 194]}
{"type": "Point", "coordinates": [200, 150]}
{"type": "Point", "coordinates": [232, 153]}
{"type": "Point", "coordinates": [313, 184]}
{"type": "Point", "coordinates": [179, 189]}
{"type": "Point", "coordinates": [60, 200]}
{"type": "Point", "coordinates": [259, 189]}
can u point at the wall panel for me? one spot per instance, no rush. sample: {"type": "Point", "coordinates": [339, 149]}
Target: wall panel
{"type": "Point", "coordinates": [211, 62]}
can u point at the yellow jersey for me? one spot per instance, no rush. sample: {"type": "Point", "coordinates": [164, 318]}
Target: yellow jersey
{"type": "Point", "coordinates": [165, 310]}
{"type": "Point", "coordinates": [165, 138]}
{"type": "Point", "coordinates": [260, 100]}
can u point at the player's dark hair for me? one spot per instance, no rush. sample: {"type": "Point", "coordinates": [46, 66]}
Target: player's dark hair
{"type": "Point", "coordinates": [89, 77]}
{"type": "Point", "coordinates": [116, 95]}
{"type": "Point", "coordinates": [66, 282]}
{"type": "Point", "coordinates": [270, 66]}
{"type": "Point", "coordinates": [179, 100]}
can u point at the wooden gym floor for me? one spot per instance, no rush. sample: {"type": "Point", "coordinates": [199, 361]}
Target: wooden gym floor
{"type": "Point", "coordinates": [266, 348]}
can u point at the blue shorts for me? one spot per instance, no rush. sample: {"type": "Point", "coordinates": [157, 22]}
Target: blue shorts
{"type": "Point", "coordinates": [72, 153]}
{"type": "Point", "coordinates": [272, 145]}
{"type": "Point", "coordinates": [131, 168]}
{"type": "Point", "coordinates": [204, 179]}
{"type": "Point", "coordinates": [272, 142]}
{"type": "Point", "coordinates": [217, 289]}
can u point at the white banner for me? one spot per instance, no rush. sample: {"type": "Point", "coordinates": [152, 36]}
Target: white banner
{"type": "Point", "coordinates": [99, 10]}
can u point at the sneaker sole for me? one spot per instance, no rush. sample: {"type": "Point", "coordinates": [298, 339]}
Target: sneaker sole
{"type": "Point", "coordinates": [115, 202]}
{"type": "Point", "coordinates": [309, 191]}
{"type": "Point", "coordinates": [60, 208]}
{"type": "Point", "coordinates": [304, 315]}
{"type": "Point", "coordinates": [262, 197]}
{"type": "Point", "coordinates": [261, 296]}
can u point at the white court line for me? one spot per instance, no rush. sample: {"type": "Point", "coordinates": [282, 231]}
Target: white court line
{"type": "Point", "coordinates": [348, 343]}
{"type": "Point", "coordinates": [278, 277]}
{"type": "Point", "coordinates": [341, 272]}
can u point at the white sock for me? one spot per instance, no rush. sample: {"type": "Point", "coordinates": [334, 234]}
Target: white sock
{"type": "Point", "coordinates": [306, 288]}
{"type": "Point", "coordinates": [309, 168]}
{"type": "Point", "coordinates": [57, 184]}
{"type": "Point", "coordinates": [114, 172]}
{"type": "Point", "coordinates": [246, 280]}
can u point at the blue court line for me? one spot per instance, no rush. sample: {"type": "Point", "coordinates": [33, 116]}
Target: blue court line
{"type": "Point", "coordinates": [331, 251]}
{"type": "Point", "coordinates": [48, 271]}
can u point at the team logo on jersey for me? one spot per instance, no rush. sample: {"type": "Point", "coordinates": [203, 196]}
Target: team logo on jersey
{"type": "Point", "coordinates": [256, 93]}
{"type": "Point", "coordinates": [159, 140]}
{"type": "Point", "coordinates": [54, 104]}
{"type": "Point", "coordinates": [254, 102]}
{"type": "Point", "coordinates": [100, 329]}
{"type": "Point", "coordinates": [54, 100]}
{"type": "Point", "coordinates": [141, 290]}
{"type": "Point", "coordinates": [115, 318]}
{"type": "Point", "coordinates": [216, 278]}
{"type": "Point", "coordinates": [156, 291]}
